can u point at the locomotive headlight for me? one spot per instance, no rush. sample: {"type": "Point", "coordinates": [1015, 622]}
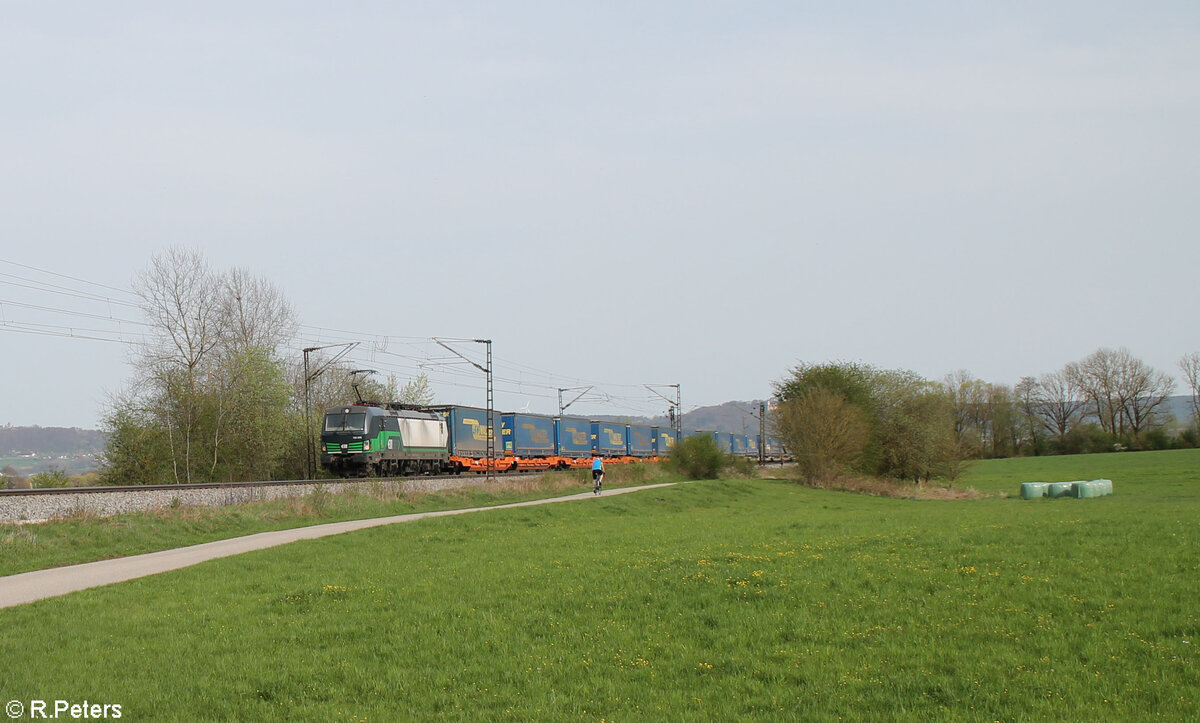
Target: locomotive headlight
{"type": "Point", "coordinates": [366, 445]}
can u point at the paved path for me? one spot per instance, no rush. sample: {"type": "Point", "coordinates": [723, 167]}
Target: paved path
{"type": "Point", "coordinates": [30, 586]}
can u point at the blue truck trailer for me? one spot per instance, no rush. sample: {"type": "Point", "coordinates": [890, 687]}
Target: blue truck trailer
{"type": "Point", "coordinates": [526, 435]}
{"type": "Point", "coordinates": [608, 438]}
{"type": "Point", "coordinates": [639, 440]}
{"type": "Point", "coordinates": [573, 437]}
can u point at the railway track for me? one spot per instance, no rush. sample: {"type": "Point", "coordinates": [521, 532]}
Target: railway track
{"type": "Point", "coordinates": [39, 505]}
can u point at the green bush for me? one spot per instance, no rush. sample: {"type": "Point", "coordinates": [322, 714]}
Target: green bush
{"type": "Point", "coordinates": [1157, 439]}
{"type": "Point", "coordinates": [54, 477]}
{"type": "Point", "coordinates": [740, 466]}
{"type": "Point", "coordinates": [697, 457]}
{"type": "Point", "coordinates": [1085, 439]}
{"type": "Point", "coordinates": [847, 417]}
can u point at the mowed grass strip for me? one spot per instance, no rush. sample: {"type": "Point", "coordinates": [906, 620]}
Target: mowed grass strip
{"type": "Point", "coordinates": [87, 537]}
{"type": "Point", "coordinates": [714, 600]}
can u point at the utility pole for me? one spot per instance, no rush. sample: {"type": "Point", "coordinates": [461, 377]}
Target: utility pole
{"type": "Point", "coordinates": [491, 411]}
{"type": "Point", "coordinates": [761, 416]}
{"type": "Point", "coordinates": [562, 407]}
{"type": "Point", "coordinates": [762, 433]}
{"type": "Point", "coordinates": [310, 449]}
{"type": "Point", "coordinates": [677, 421]}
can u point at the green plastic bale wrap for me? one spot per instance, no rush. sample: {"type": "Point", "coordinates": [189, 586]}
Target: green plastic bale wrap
{"type": "Point", "coordinates": [1033, 490]}
{"type": "Point", "coordinates": [1061, 489]}
{"type": "Point", "coordinates": [1106, 487]}
{"type": "Point", "coordinates": [1088, 489]}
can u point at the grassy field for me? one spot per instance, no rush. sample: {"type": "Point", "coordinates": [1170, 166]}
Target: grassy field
{"type": "Point", "coordinates": [715, 600]}
{"type": "Point", "coordinates": [86, 538]}
{"type": "Point", "coordinates": [1162, 474]}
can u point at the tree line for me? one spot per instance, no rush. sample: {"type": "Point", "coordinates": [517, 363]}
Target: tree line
{"type": "Point", "coordinates": [216, 393]}
{"type": "Point", "coordinates": [1109, 400]}
{"type": "Point", "coordinates": [854, 419]}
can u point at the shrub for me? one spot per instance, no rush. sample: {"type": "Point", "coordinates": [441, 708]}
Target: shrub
{"type": "Point", "coordinates": [828, 434]}
{"type": "Point", "coordinates": [889, 423]}
{"type": "Point", "coordinates": [1086, 439]}
{"type": "Point", "coordinates": [697, 457]}
{"type": "Point", "coordinates": [740, 466]}
{"type": "Point", "coordinates": [53, 477]}
{"type": "Point", "coordinates": [1158, 439]}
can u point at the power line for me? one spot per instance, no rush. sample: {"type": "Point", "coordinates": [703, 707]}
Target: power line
{"type": "Point", "coordinates": [409, 355]}
{"type": "Point", "coordinates": [64, 276]}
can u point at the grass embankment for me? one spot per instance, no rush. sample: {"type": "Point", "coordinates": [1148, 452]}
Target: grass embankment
{"type": "Point", "coordinates": [85, 537]}
{"type": "Point", "coordinates": [1168, 473]}
{"type": "Point", "coordinates": [716, 600]}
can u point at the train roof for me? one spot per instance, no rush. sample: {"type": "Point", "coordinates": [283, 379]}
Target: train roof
{"type": "Point", "coordinates": [375, 410]}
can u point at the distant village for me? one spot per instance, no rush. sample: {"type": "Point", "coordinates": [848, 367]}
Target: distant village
{"type": "Point", "coordinates": [26, 451]}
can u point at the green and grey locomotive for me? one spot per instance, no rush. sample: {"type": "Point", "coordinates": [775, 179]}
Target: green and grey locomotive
{"type": "Point", "coordinates": [362, 439]}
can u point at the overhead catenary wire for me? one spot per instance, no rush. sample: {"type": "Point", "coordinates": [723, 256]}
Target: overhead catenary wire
{"type": "Point", "coordinates": [393, 354]}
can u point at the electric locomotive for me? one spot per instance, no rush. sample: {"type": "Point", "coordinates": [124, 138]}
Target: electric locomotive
{"type": "Point", "coordinates": [362, 439]}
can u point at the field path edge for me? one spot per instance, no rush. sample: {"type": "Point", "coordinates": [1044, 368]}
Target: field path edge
{"type": "Point", "coordinates": [29, 587]}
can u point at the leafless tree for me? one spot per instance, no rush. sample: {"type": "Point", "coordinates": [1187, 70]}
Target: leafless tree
{"type": "Point", "coordinates": [1143, 392]}
{"type": "Point", "coordinates": [254, 312]}
{"type": "Point", "coordinates": [1096, 377]}
{"type": "Point", "coordinates": [180, 298]}
{"type": "Point", "coordinates": [209, 364]}
{"type": "Point", "coordinates": [1190, 366]}
{"type": "Point", "coordinates": [1028, 407]}
{"type": "Point", "coordinates": [1060, 402]}
{"type": "Point", "coordinates": [1124, 392]}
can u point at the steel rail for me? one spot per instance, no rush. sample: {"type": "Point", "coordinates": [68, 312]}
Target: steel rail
{"type": "Point", "coordinates": [233, 485]}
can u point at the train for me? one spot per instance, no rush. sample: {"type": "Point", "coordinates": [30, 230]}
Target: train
{"type": "Point", "coordinates": [363, 439]}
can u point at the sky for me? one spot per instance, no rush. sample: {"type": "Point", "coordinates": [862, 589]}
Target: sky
{"type": "Point", "coordinates": [616, 194]}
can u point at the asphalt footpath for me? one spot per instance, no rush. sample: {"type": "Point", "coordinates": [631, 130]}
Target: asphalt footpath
{"type": "Point", "coordinates": [30, 586]}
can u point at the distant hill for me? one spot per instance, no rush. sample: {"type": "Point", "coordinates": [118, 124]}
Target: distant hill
{"type": "Point", "coordinates": [50, 441]}
{"type": "Point", "coordinates": [29, 450]}
{"type": "Point", "coordinates": [736, 417]}
{"type": "Point", "coordinates": [1180, 408]}
{"type": "Point", "coordinates": [732, 417]}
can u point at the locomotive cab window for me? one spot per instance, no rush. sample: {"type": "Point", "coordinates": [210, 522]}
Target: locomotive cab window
{"type": "Point", "coordinates": [342, 422]}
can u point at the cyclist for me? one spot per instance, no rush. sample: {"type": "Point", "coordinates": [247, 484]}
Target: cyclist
{"type": "Point", "coordinates": [597, 473]}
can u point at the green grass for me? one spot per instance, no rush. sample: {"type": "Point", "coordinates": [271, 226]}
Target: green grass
{"type": "Point", "coordinates": [1170, 473]}
{"type": "Point", "coordinates": [86, 538]}
{"type": "Point", "coordinates": [716, 600]}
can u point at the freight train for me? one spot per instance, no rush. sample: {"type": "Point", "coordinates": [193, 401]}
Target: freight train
{"type": "Point", "coordinates": [393, 440]}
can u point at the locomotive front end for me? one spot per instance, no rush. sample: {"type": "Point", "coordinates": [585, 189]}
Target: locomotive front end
{"type": "Point", "coordinates": [346, 437]}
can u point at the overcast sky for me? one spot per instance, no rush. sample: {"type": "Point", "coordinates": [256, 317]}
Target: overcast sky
{"type": "Point", "coordinates": [616, 194]}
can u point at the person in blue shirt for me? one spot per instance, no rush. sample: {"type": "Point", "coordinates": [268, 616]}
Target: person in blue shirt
{"type": "Point", "coordinates": [597, 473]}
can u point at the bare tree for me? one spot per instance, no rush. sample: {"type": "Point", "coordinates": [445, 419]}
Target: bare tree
{"type": "Point", "coordinates": [1190, 366]}
{"type": "Point", "coordinates": [1143, 390]}
{"type": "Point", "coordinates": [254, 312]}
{"type": "Point", "coordinates": [208, 374]}
{"type": "Point", "coordinates": [1028, 405]}
{"type": "Point", "coordinates": [1060, 402]}
{"type": "Point", "coordinates": [1096, 377]}
{"type": "Point", "coordinates": [1124, 392]}
{"type": "Point", "coordinates": [180, 300]}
